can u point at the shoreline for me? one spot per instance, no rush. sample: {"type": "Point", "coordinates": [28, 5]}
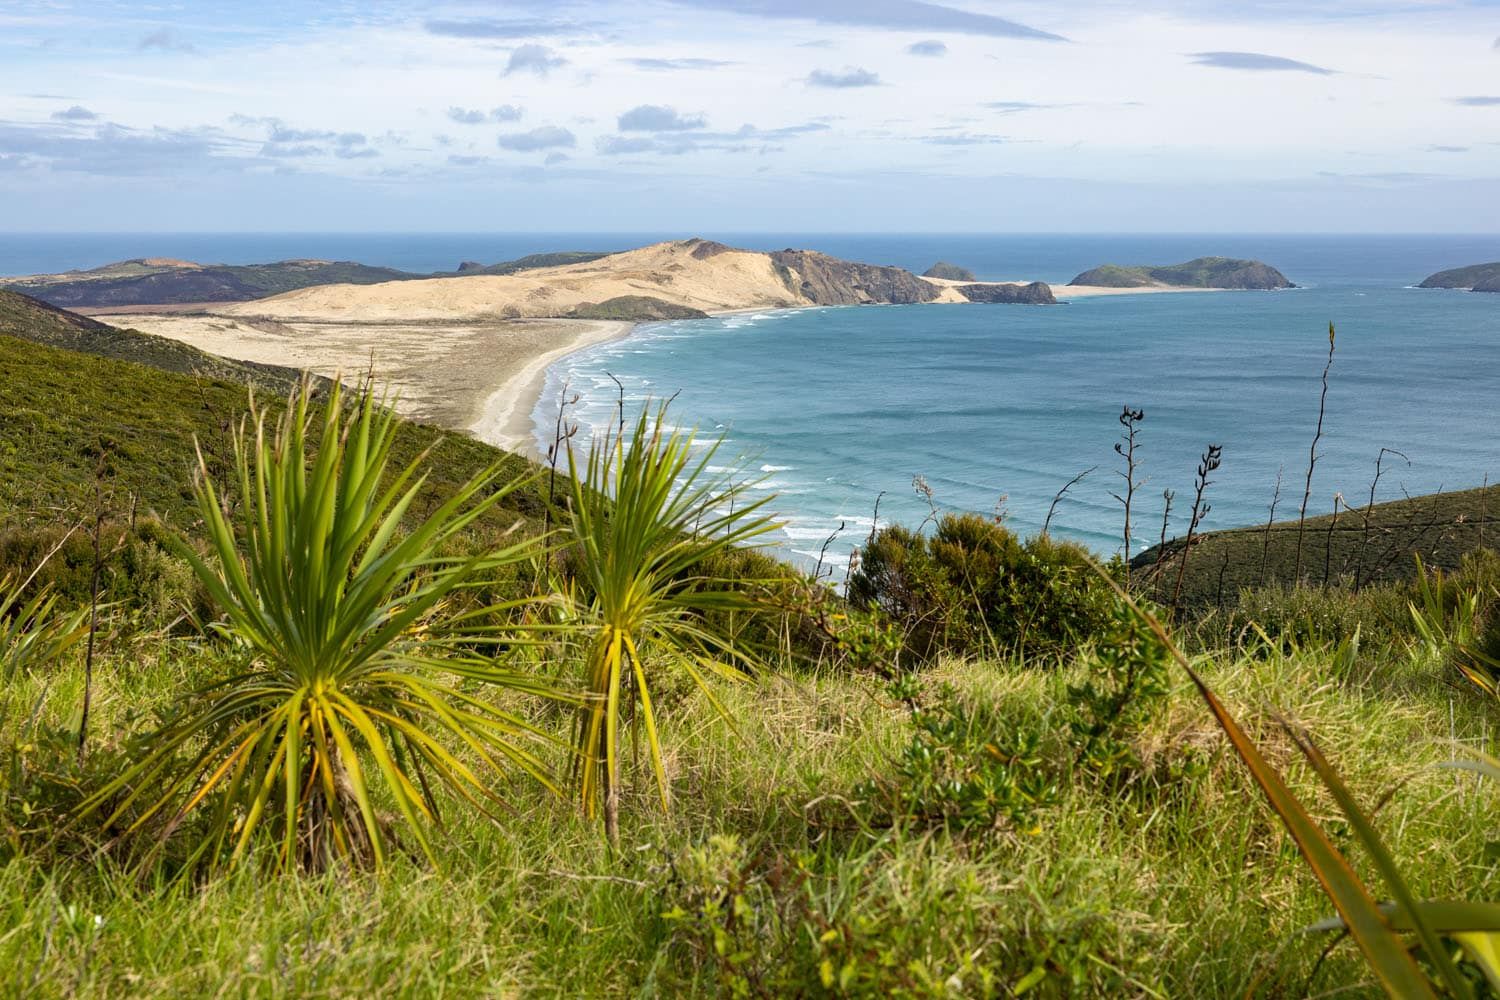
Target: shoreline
{"type": "Point", "coordinates": [447, 385]}
{"type": "Point", "coordinates": [505, 414]}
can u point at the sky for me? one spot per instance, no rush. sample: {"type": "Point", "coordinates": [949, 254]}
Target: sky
{"type": "Point", "coordinates": [751, 115]}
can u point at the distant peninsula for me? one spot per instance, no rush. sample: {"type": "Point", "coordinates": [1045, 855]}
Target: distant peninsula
{"type": "Point", "coordinates": [1474, 278]}
{"type": "Point", "coordinates": [1204, 272]}
{"type": "Point", "coordinates": [681, 279]}
{"type": "Point", "coordinates": [164, 281]}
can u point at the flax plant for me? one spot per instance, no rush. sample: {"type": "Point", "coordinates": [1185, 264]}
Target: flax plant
{"type": "Point", "coordinates": [358, 688]}
{"type": "Point", "coordinates": [647, 520]}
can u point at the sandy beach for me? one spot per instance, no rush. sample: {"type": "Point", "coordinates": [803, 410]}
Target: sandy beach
{"type": "Point", "coordinates": [505, 416]}
{"type": "Point", "coordinates": [483, 378]}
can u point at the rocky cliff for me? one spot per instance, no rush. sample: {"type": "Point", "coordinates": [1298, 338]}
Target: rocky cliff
{"type": "Point", "coordinates": [1204, 272]}
{"type": "Point", "coordinates": [828, 281]}
{"type": "Point", "coordinates": [1476, 278]}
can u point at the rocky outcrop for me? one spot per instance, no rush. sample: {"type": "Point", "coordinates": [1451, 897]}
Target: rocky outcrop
{"type": "Point", "coordinates": [828, 281]}
{"type": "Point", "coordinates": [949, 272]}
{"type": "Point", "coordinates": [1037, 293]}
{"type": "Point", "coordinates": [1204, 272]}
{"type": "Point", "coordinates": [1475, 278]}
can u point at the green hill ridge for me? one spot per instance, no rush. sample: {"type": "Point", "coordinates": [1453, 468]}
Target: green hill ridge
{"type": "Point", "coordinates": [1475, 278]}
{"type": "Point", "coordinates": [161, 281]}
{"type": "Point", "coordinates": [1203, 272]}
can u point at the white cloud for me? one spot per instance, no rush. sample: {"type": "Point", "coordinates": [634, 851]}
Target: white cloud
{"type": "Point", "coordinates": [1125, 100]}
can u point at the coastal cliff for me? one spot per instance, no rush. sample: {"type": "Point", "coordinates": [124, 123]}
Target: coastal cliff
{"type": "Point", "coordinates": [1475, 278]}
{"type": "Point", "coordinates": [1203, 272]}
{"type": "Point", "coordinates": [829, 281]}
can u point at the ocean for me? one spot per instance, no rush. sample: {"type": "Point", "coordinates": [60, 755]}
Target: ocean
{"type": "Point", "coordinates": [996, 407]}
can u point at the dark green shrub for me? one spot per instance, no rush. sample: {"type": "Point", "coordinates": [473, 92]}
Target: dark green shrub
{"type": "Point", "coordinates": [974, 587]}
{"type": "Point", "coordinates": [793, 618]}
{"type": "Point", "coordinates": [139, 571]}
{"type": "Point", "coordinates": [966, 769]}
{"type": "Point", "coordinates": [1125, 683]}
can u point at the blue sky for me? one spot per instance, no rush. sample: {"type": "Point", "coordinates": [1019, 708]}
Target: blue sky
{"type": "Point", "coordinates": [801, 115]}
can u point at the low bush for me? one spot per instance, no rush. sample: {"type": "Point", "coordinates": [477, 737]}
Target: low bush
{"type": "Point", "coordinates": [973, 586]}
{"type": "Point", "coordinates": [139, 571]}
{"type": "Point", "coordinates": [767, 923]}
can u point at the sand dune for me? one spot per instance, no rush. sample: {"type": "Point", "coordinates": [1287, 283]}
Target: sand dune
{"type": "Point", "coordinates": [732, 279]}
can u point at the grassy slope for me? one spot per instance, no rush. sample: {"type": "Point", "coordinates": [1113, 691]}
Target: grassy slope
{"type": "Point", "coordinates": [1187, 889]}
{"type": "Point", "coordinates": [60, 407]}
{"type": "Point", "coordinates": [1182, 885]}
{"type": "Point", "coordinates": [1440, 528]}
{"type": "Point", "coordinates": [41, 323]}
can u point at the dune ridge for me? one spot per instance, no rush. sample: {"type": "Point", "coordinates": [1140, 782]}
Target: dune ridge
{"type": "Point", "coordinates": [696, 274]}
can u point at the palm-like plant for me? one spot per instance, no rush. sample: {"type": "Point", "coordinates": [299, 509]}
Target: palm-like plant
{"type": "Point", "coordinates": [32, 630]}
{"type": "Point", "coordinates": [646, 518]}
{"type": "Point", "coordinates": [357, 676]}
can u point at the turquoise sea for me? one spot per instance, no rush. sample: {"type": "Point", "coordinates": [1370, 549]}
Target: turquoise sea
{"type": "Point", "coordinates": [996, 407]}
{"type": "Point", "coordinates": [834, 407]}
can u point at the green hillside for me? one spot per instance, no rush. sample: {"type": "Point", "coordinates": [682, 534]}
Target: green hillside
{"type": "Point", "coordinates": [152, 281]}
{"type": "Point", "coordinates": [1204, 272]}
{"type": "Point", "coordinates": [635, 309]}
{"type": "Point", "coordinates": [132, 400]}
{"type": "Point", "coordinates": [1476, 277]}
{"type": "Point", "coordinates": [1440, 528]}
{"type": "Point", "coordinates": [40, 323]}
{"type": "Point", "coordinates": [1045, 806]}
